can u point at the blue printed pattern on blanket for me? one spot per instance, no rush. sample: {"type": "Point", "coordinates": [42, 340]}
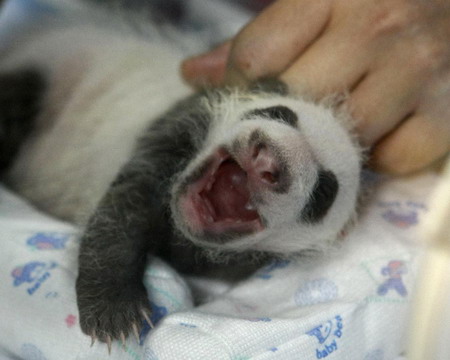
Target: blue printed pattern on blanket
{"type": "Point", "coordinates": [266, 272]}
{"type": "Point", "coordinates": [48, 241]}
{"type": "Point", "coordinates": [393, 271]}
{"type": "Point", "coordinates": [402, 214]}
{"type": "Point", "coordinates": [187, 325]}
{"type": "Point", "coordinates": [31, 352]}
{"type": "Point", "coordinates": [34, 273]}
{"type": "Point", "coordinates": [391, 278]}
{"type": "Point", "coordinates": [327, 334]}
{"type": "Point", "coordinates": [260, 319]}
{"type": "Point", "coordinates": [315, 292]}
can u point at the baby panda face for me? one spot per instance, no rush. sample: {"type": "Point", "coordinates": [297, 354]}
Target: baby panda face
{"type": "Point", "coordinates": [275, 174]}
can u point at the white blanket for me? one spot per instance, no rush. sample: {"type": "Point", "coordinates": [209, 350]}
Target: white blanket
{"type": "Point", "coordinates": [352, 304]}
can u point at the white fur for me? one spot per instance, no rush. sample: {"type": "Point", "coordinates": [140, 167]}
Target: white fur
{"type": "Point", "coordinates": [105, 89]}
{"type": "Point", "coordinates": [323, 138]}
{"type": "Point", "coordinates": [107, 86]}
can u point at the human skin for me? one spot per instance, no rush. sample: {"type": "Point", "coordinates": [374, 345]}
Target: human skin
{"type": "Point", "coordinates": [392, 58]}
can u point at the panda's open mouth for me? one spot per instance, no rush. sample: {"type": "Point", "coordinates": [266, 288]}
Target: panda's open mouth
{"type": "Point", "coordinates": [218, 201]}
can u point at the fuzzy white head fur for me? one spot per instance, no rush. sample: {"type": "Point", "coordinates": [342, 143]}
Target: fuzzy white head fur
{"type": "Point", "coordinates": [320, 140]}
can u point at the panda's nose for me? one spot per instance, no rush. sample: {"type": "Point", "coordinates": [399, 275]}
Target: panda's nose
{"type": "Point", "coordinates": [264, 168]}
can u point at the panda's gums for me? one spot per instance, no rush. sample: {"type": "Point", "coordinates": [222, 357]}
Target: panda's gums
{"type": "Point", "coordinates": [220, 201]}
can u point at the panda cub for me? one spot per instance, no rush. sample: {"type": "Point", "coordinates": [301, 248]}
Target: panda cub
{"type": "Point", "coordinates": [96, 126]}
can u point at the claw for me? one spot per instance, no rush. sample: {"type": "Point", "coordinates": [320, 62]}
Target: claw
{"type": "Point", "coordinates": [136, 332]}
{"type": "Point", "coordinates": [108, 342]}
{"type": "Point", "coordinates": [93, 338]}
{"type": "Point", "coordinates": [122, 338]}
{"type": "Point", "coordinates": [147, 318]}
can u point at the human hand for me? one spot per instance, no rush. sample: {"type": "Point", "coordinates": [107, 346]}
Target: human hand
{"type": "Point", "coordinates": [392, 56]}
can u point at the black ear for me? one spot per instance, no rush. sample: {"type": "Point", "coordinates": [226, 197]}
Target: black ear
{"type": "Point", "coordinates": [322, 197]}
{"type": "Point", "coordinates": [269, 85]}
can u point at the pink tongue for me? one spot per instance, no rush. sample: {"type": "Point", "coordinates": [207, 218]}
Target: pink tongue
{"type": "Point", "coordinates": [229, 194]}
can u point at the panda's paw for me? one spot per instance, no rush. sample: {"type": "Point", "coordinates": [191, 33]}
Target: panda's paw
{"type": "Point", "coordinates": [112, 313]}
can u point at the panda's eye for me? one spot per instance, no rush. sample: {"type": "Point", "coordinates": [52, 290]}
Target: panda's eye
{"type": "Point", "coordinates": [278, 113]}
{"type": "Point", "coordinates": [322, 197]}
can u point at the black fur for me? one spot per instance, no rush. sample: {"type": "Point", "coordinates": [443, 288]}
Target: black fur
{"type": "Point", "coordinates": [132, 220]}
{"type": "Point", "coordinates": [21, 95]}
{"type": "Point", "coordinates": [322, 197]}
{"type": "Point", "coordinates": [279, 113]}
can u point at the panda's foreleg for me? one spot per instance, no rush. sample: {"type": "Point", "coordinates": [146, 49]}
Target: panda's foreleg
{"type": "Point", "coordinates": [133, 220]}
{"type": "Point", "coordinates": [128, 224]}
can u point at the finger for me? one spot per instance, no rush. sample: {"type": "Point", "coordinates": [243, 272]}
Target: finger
{"type": "Point", "coordinates": [267, 45]}
{"type": "Point", "coordinates": [416, 144]}
{"type": "Point", "coordinates": [206, 69]}
{"type": "Point", "coordinates": [334, 63]}
{"type": "Point", "coordinates": [382, 100]}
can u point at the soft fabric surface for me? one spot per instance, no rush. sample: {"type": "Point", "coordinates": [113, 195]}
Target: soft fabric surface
{"type": "Point", "coordinates": [351, 304]}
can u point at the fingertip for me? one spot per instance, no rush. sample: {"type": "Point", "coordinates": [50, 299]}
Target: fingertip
{"type": "Point", "coordinates": [401, 166]}
{"type": "Point", "coordinates": [206, 69]}
{"type": "Point", "coordinates": [386, 162]}
{"type": "Point", "coordinates": [390, 157]}
{"type": "Point", "coordinates": [414, 146]}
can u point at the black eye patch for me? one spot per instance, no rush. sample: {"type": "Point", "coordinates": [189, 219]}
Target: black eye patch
{"type": "Point", "coordinates": [322, 197]}
{"type": "Point", "coordinates": [278, 113]}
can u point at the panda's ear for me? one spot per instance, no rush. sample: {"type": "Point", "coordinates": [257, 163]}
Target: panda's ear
{"type": "Point", "coordinates": [321, 198]}
{"type": "Point", "coordinates": [269, 85]}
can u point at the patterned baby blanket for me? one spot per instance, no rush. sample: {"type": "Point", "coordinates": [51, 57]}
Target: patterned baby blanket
{"type": "Point", "coordinates": [350, 304]}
